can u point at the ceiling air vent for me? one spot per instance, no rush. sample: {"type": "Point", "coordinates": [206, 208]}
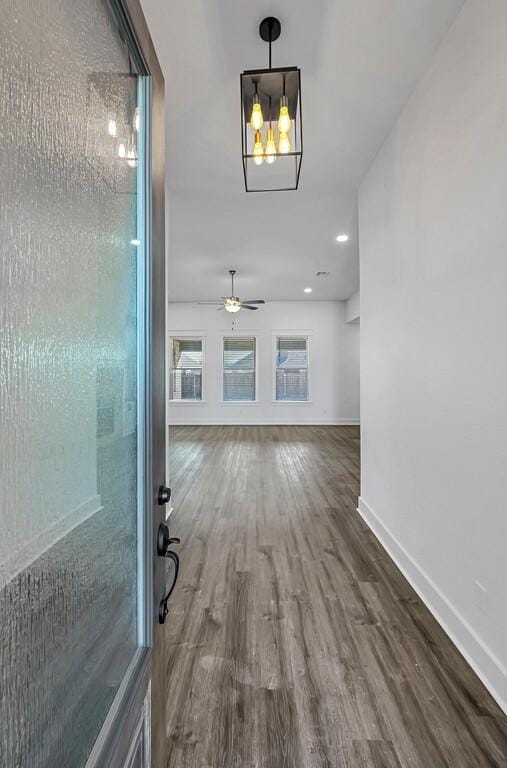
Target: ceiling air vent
{"type": "Point", "coordinates": [322, 274]}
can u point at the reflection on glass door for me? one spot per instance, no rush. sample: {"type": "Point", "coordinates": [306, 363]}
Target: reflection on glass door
{"type": "Point", "coordinates": [71, 393]}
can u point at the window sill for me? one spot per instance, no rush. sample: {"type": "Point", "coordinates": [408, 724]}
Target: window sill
{"type": "Point", "coordinates": [292, 402]}
{"type": "Point", "coordinates": [239, 402]}
{"type": "Point", "coordinates": [187, 402]}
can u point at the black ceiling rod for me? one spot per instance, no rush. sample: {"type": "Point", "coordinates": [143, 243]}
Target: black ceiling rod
{"type": "Point", "coordinates": [269, 30]}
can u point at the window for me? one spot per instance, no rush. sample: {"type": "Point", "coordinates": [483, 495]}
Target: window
{"type": "Point", "coordinates": [291, 368]}
{"type": "Point", "coordinates": [239, 368]}
{"type": "Point", "coordinates": [185, 378]}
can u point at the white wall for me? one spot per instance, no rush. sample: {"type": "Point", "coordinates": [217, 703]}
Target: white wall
{"type": "Point", "coordinates": [353, 309]}
{"type": "Point", "coordinates": [333, 363]}
{"type": "Point", "coordinates": [433, 241]}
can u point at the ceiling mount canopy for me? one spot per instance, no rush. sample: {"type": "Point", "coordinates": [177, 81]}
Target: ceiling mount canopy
{"type": "Point", "coordinates": [271, 123]}
{"type": "Point", "coordinates": [270, 30]}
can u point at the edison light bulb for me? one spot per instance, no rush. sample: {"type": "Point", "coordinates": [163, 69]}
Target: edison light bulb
{"type": "Point", "coordinates": [137, 120]}
{"type": "Point", "coordinates": [258, 149]}
{"type": "Point", "coordinates": [284, 117]}
{"type": "Point", "coordinates": [131, 154]}
{"type": "Point", "coordinates": [256, 119]}
{"type": "Point", "coordinates": [122, 150]}
{"type": "Point", "coordinates": [284, 144]}
{"type": "Point", "coordinates": [270, 147]}
{"type": "Point", "coordinates": [111, 126]}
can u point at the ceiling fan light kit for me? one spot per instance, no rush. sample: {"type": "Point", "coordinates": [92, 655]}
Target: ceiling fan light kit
{"type": "Point", "coordinates": [233, 304]}
{"type": "Point", "coordinates": [271, 122]}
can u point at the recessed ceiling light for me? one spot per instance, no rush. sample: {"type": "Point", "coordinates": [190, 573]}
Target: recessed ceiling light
{"type": "Point", "coordinates": [308, 290]}
{"type": "Point", "coordinates": [342, 238]}
{"type": "Point", "coordinates": [135, 242]}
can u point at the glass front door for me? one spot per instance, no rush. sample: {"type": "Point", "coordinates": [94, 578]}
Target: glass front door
{"type": "Point", "coordinates": [72, 391]}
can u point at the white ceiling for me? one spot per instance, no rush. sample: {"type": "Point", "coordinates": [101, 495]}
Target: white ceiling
{"type": "Point", "coordinates": [359, 59]}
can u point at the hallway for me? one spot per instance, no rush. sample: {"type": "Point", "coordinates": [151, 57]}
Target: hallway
{"type": "Point", "coordinates": [292, 639]}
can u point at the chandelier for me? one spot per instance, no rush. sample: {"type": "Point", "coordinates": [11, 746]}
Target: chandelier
{"type": "Point", "coordinates": [271, 124]}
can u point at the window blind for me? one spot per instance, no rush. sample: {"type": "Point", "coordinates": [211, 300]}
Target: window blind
{"type": "Point", "coordinates": [239, 368]}
{"type": "Point", "coordinates": [186, 370]}
{"type": "Point", "coordinates": [292, 368]}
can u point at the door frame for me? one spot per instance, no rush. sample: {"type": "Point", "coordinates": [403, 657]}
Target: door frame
{"type": "Point", "coordinates": [143, 686]}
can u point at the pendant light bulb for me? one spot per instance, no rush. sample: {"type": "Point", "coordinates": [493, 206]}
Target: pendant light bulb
{"type": "Point", "coordinates": [284, 144]}
{"type": "Point", "coordinates": [256, 119]}
{"type": "Point", "coordinates": [122, 150]}
{"type": "Point", "coordinates": [137, 120]}
{"type": "Point", "coordinates": [131, 153]}
{"type": "Point", "coordinates": [111, 127]}
{"type": "Point", "coordinates": [284, 117]}
{"type": "Point", "coordinates": [270, 147]}
{"type": "Point", "coordinates": [258, 149]}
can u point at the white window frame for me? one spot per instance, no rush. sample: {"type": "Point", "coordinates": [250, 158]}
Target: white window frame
{"type": "Point", "coordinates": [297, 335]}
{"type": "Point", "coordinates": [190, 336]}
{"type": "Point", "coordinates": [240, 335]}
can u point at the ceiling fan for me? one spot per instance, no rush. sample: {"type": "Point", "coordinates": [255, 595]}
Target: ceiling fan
{"type": "Point", "coordinates": [232, 303]}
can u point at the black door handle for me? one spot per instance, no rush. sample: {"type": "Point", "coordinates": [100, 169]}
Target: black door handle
{"type": "Point", "coordinates": [164, 495]}
{"type": "Point", "coordinates": [162, 609]}
{"type": "Point", "coordinates": [164, 540]}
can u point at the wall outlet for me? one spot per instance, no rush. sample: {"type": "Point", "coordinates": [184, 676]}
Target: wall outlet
{"type": "Point", "coordinates": [481, 597]}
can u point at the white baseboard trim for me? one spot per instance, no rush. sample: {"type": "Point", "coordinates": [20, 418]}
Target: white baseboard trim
{"type": "Point", "coordinates": [482, 660]}
{"type": "Point", "coordinates": [261, 422]}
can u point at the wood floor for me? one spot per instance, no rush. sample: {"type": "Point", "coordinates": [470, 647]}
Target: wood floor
{"type": "Point", "coordinates": [293, 641]}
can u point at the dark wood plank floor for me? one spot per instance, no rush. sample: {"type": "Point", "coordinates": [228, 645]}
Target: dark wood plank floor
{"type": "Point", "coordinates": [293, 641]}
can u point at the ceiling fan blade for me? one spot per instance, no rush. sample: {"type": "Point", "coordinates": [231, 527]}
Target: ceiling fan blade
{"type": "Point", "coordinates": [220, 308]}
{"type": "Point", "coordinates": [209, 303]}
{"type": "Point", "coordinates": [246, 306]}
{"type": "Point", "coordinates": [255, 301]}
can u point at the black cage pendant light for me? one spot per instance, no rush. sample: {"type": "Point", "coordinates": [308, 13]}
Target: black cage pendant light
{"type": "Point", "coordinates": [271, 124]}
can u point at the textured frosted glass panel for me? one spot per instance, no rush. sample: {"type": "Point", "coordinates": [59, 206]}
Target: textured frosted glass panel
{"type": "Point", "coordinates": [68, 377]}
